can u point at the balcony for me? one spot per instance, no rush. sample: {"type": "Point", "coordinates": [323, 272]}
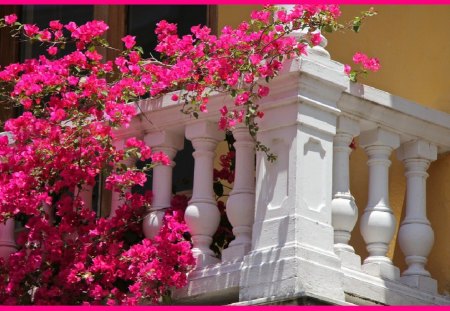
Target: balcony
{"type": "Point", "coordinates": [293, 218]}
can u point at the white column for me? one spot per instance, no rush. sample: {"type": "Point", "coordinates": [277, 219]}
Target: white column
{"type": "Point", "coordinates": [169, 144]}
{"type": "Point", "coordinates": [202, 215]}
{"type": "Point", "coordinates": [416, 236]}
{"type": "Point", "coordinates": [378, 221]}
{"type": "Point", "coordinates": [241, 202]}
{"type": "Point", "coordinates": [292, 250]}
{"type": "Point", "coordinates": [116, 199]}
{"type": "Point", "coordinates": [7, 241]}
{"type": "Point", "coordinates": [343, 208]}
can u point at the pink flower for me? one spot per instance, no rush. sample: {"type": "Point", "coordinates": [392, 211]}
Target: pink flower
{"type": "Point", "coordinates": [347, 69]}
{"type": "Point", "coordinates": [174, 97]}
{"type": "Point", "coordinates": [359, 58]}
{"type": "Point", "coordinates": [241, 98]}
{"type": "Point", "coordinates": [52, 50]}
{"type": "Point", "coordinates": [372, 64]}
{"type": "Point", "coordinates": [10, 19]}
{"type": "Point", "coordinates": [255, 59]}
{"type": "Point", "coordinates": [55, 25]}
{"type": "Point", "coordinates": [316, 38]}
{"type": "Point", "coordinates": [30, 30]}
{"type": "Point", "coordinates": [129, 41]}
{"type": "Point", "coordinates": [263, 91]}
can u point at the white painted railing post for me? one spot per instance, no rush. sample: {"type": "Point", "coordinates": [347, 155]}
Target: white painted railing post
{"type": "Point", "coordinates": [7, 241]}
{"type": "Point", "coordinates": [202, 215]}
{"type": "Point", "coordinates": [169, 144]}
{"type": "Point", "coordinates": [378, 221]}
{"type": "Point", "coordinates": [115, 196]}
{"type": "Point", "coordinates": [343, 207]}
{"type": "Point", "coordinates": [416, 236]}
{"type": "Point", "coordinates": [241, 202]}
{"type": "Point", "coordinates": [292, 251]}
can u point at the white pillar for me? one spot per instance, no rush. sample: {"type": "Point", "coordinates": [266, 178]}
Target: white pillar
{"type": "Point", "coordinates": [416, 236]}
{"type": "Point", "coordinates": [378, 221]}
{"type": "Point", "coordinates": [169, 144]}
{"type": "Point", "coordinates": [343, 207]}
{"type": "Point", "coordinates": [241, 202]}
{"type": "Point", "coordinates": [292, 251]}
{"type": "Point", "coordinates": [202, 215]}
{"type": "Point", "coordinates": [7, 240]}
{"type": "Point", "coordinates": [116, 200]}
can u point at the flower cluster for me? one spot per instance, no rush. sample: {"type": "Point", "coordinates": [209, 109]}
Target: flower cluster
{"type": "Point", "coordinates": [366, 64]}
{"type": "Point", "coordinates": [64, 143]}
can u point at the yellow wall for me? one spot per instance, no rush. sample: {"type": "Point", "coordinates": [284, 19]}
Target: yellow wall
{"type": "Point", "coordinates": [413, 45]}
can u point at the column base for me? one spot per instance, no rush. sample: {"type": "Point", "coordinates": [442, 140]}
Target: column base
{"type": "Point", "coordinates": [348, 258]}
{"type": "Point", "coordinates": [289, 271]}
{"type": "Point", "coordinates": [382, 270]}
{"type": "Point", "coordinates": [203, 260]}
{"type": "Point", "coordinates": [235, 252]}
{"type": "Point", "coordinates": [424, 283]}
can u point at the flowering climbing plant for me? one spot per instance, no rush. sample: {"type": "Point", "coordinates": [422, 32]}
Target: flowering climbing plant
{"type": "Point", "coordinates": [63, 142]}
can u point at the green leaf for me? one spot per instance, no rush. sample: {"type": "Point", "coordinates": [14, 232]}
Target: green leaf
{"type": "Point", "coordinates": [356, 24]}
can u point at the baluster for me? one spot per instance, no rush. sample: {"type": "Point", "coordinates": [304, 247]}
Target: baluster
{"type": "Point", "coordinates": [116, 200]}
{"type": "Point", "coordinates": [202, 215]}
{"type": "Point", "coordinates": [7, 241]}
{"type": "Point", "coordinates": [85, 194]}
{"type": "Point", "coordinates": [241, 203]}
{"type": "Point", "coordinates": [169, 144]}
{"type": "Point", "coordinates": [378, 221]}
{"type": "Point", "coordinates": [343, 207]}
{"type": "Point", "coordinates": [416, 236]}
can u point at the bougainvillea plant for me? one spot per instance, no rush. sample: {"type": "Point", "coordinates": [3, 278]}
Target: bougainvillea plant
{"type": "Point", "coordinates": [64, 140]}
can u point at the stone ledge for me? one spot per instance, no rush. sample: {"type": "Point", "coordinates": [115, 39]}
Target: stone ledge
{"type": "Point", "coordinates": [212, 285]}
{"type": "Point", "coordinates": [363, 289]}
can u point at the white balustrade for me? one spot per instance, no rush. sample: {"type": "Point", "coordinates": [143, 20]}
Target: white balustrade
{"type": "Point", "coordinates": [416, 236]}
{"type": "Point", "coordinates": [202, 215]}
{"type": "Point", "coordinates": [169, 144]}
{"type": "Point", "coordinates": [378, 221]}
{"type": "Point", "coordinates": [241, 202]}
{"type": "Point", "coordinates": [343, 207]}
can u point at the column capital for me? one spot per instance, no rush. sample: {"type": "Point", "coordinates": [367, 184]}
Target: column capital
{"type": "Point", "coordinates": [347, 125]}
{"type": "Point", "coordinates": [417, 149]}
{"type": "Point", "coordinates": [164, 139]}
{"type": "Point", "coordinates": [379, 137]}
{"type": "Point", "coordinates": [204, 129]}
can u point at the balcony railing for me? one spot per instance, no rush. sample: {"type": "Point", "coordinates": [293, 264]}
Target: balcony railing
{"type": "Point", "coordinates": [293, 218]}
